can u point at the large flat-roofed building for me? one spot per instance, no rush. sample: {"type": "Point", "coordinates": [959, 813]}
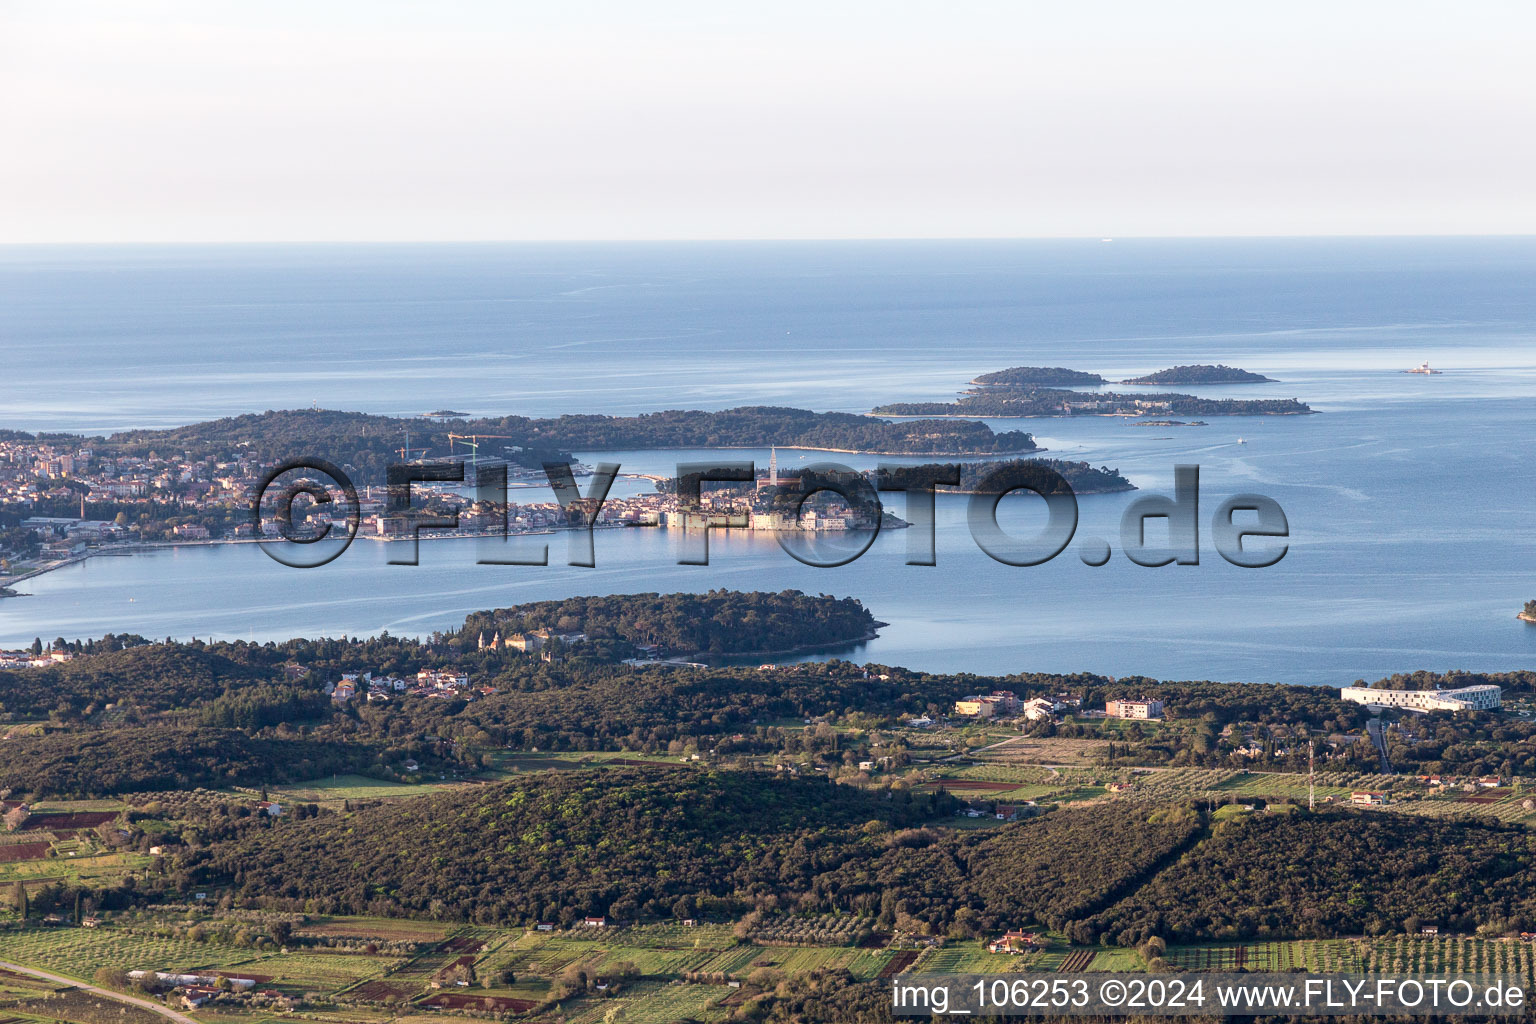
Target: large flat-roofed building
{"type": "Point", "coordinates": [976, 707]}
{"type": "Point", "coordinates": [1134, 709]}
{"type": "Point", "coordinates": [1484, 697]}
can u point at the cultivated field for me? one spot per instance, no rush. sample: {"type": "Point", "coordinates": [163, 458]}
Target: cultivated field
{"type": "Point", "coordinates": [347, 787]}
{"type": "Point", "coordinates": [652, 1003]}
{"type": "Point", "coordinates": [389, 929]}
{"type": "Point", "coordinates": [78, 952]}
{"type": "Point", "coordinates": [1049, 750]}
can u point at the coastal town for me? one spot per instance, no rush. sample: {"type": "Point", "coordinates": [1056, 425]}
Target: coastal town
{"type": "Point", "coordinates": [60, 502]}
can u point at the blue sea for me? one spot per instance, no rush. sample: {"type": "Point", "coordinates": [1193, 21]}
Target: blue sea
{"type": "Point", "coordinates": [1409, 498]}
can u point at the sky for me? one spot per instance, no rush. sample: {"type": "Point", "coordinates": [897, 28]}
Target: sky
{"type": "Point", "coordinates": [159, 121]}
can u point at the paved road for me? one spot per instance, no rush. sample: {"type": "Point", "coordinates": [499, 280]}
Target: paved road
{"type": "Point", "coordinates": [105, 993]}
{"type": "Point", "coordinates": [1378, 737]}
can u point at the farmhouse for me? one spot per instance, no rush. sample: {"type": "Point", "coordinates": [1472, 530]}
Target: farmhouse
{"type": "Point", "coordinates": [196, 995]}
{"type": "Point", "coordinates": [1015, 942]}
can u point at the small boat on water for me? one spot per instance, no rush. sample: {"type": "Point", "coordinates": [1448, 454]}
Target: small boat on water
{"type": "Point", "coordinates": [1241, 441]}
{"type": "Point", "coordinates": [1422, 368]}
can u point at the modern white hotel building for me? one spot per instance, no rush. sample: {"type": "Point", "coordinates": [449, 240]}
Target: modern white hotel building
{"type": "Point", "coordinates": [1486, 697]}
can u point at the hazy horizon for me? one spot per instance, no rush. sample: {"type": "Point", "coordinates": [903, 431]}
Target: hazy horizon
{"type": "Point", "coordinates": [764, 239]}
{"type": "Point", "coordinates": [176, 121]}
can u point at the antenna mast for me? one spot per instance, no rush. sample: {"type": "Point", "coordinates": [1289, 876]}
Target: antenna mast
{"type": "Point", "coordinates": [1311, 773]}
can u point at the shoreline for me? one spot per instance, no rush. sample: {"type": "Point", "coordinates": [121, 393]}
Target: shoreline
{"type": "Point", "coordinates": [141, 548]}
{"type": "Point", "coordinates": [1523, 617]}
{"type": "Point", "coordinates": [1076, 492]}
{"type": "Point", "coordinates": [979, 383]}
{"type": "Point", "coordinates": [838, 451]}
{"type": "Point", "coordinates": [1192, 383]}
{"type": "Point", "coordinates": [10, 581]}
{"type": "Point", "coordinates": [134, 549]}
{"type": "Point", "coordinates": [1058, 416]}
{"type": "Point", "coordinates": [873, 634]}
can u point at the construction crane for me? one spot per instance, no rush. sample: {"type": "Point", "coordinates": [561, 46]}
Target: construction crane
{"type": "Point", "coordinates": [405, 453]}
{"type": "Point", "coordinates": [472, 442]}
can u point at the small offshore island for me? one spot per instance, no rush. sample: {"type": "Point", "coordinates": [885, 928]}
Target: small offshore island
{"type": "Point", "coordinates": [1529, 613]}
{"type": "Point", "coordinates": [1202, 374]}
{"type": "Point", "coordinates": [719, 622]}
{"type": "Point", "coordinates": [1029, 391]}
{"type": "Point", "coordinates": [1044, 376]}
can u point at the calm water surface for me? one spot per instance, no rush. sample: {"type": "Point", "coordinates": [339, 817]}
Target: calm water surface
{"type": "Point", "coordinates": [1409, 497]}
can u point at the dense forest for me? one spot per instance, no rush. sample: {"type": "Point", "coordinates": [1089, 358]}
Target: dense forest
{"type": "Point", "coordinates": [760, 426]}
{"type": "Point", "coordinates": [1335, 873]}
{"type": "Point", "coordinates": [1512, 682]}
{"type": "Point", "coordinates": [559, 846]}
{"type": "Point", "coordinates": [104, 762]}
{"type": "Point", "coordinates": [678, 842]}
{"type": "Point", "coordinates": [717, 622]}
{"type": "Point", "coordinates": [368, 444]}
{"type": "Point", "coordinates": [1038, 376]}
{"type": "Point", "coordinates": [729, 836]}
{"type": "Point", "coordinates": [975, 883]}
{"type": "Point", "coordinates": [1463, 744]}
{"type": "Point", "coordinates": [602, 707]}
{"type": "Point", "coordinates": [1201, 373]}
{"type": "Point", "coordinates": [588, 700]}
{"type": "Point", "coordinates": [152, 677]}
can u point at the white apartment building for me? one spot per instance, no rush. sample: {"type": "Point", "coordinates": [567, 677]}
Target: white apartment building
{"type": "Point", "coordinates": [1485, 697]}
